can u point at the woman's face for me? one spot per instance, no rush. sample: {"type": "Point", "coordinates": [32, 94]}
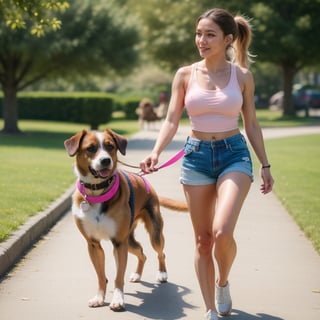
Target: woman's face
{"type": "Point", "coordinates": [210, 39]}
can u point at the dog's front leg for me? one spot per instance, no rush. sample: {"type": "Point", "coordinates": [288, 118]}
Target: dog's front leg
{"type": "Point", "coordinates": [98, 260]}
{"type": "Point", "coordinates": [121, 257]}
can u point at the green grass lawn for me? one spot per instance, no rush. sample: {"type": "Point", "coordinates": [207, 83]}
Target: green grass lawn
{"type": "Point", "coordinates": [34, 169]}
{"type": "Point", "coordinates": [295, 167]}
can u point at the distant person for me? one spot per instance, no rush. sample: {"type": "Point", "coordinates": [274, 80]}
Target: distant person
{"type": "Point", "coordinates": [162, 108]}
{"type": "Point", "coordinates": [216, 169]}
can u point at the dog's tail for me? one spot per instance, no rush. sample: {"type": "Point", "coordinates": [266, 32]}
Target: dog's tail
{"type": "Point", "coordinates": [175, 205]}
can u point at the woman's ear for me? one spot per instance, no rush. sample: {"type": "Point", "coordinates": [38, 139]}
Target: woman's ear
{"type": "Point", "coordinates": [228, 39]}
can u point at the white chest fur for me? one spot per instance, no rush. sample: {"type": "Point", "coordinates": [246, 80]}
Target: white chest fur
{"type": "Point", "coordinates": [96, 224]}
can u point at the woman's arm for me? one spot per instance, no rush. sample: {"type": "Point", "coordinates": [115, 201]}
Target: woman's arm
{"type": "Point", "coordinates": [253, 129]}
{"type": "Point", "coordinates": [171, 123]}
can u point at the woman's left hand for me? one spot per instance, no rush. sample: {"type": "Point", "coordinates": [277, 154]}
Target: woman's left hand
{"type": "Point", "coordinates": [268, 181]}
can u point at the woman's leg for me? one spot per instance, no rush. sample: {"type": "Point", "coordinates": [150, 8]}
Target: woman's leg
{"type": "Point", "coordinates": [232, 190]}
{"type": "Point", "coordinates": [201, 202]}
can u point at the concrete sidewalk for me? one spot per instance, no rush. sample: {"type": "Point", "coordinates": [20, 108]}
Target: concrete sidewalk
{"type": "Point", "coordinates": [276, 274]}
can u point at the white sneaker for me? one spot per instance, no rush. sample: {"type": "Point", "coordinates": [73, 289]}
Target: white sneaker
{"type": "Point", "coordinates": [211, 315]}
{"type": "Point", "coordinates": [223, 300]}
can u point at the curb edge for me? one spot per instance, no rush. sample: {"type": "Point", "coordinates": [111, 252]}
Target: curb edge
{"type": "Point", "coordinates": [12, 249]}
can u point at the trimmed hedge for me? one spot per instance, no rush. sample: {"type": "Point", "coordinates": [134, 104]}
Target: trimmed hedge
{"type": "Point", "coordinates": [129, 106]}
{"type": "Point", "coordinates": [92, 108]}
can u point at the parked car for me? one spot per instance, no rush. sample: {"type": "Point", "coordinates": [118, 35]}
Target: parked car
{"type": "Point", "coordinates": [302, 99]}
{"type": "Point", "coordinates": [307, 98]}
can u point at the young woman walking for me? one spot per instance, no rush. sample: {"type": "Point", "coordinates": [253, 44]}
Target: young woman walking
{"type": "Point", "coordinates": [216, 171]}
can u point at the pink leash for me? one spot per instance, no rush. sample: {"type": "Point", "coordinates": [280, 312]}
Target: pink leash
{"type": "Point", "coordinates": [170, 162]}
{"type": "Point", "coordinates": [173, 160]}
{"type": "Point", "coordinates": [107, 196]}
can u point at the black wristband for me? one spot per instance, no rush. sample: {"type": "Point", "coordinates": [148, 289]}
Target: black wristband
{"type": "Point", "coordinates": [266, 167]}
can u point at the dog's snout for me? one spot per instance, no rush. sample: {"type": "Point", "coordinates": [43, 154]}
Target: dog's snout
{"type": "Point", "coordinates": [105, 162]}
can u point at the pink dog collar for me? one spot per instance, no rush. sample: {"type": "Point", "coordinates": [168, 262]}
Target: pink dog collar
{"type": "Point", "coordinates": [104, 197]}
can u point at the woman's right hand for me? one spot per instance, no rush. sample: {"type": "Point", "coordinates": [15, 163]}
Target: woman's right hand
{"type": "Point", "coordinates": [148, 164]}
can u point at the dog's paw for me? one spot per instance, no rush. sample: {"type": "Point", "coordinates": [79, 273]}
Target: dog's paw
{"type": "Point", "coordinates": [135, 277]}
{"type": "Point", "coordinates": [97, 300]}
{"type": "Point", "coordinates": [162, 276]}
{"type": "Point", "coordinates": [117, 303]}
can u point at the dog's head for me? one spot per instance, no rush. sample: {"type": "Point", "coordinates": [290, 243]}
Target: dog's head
{"type": "Point", "coordinates": [96, 153]}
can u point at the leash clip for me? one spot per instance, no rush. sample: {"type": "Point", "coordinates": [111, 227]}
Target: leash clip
{"type": "Point", "coordinates": [140, 173]}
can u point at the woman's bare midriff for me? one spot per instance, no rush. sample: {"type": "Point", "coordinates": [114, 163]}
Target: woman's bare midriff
{"type": "Point", "coordinates": [212, 136]}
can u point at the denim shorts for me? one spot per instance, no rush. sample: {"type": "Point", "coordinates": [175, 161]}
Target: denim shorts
{"type": "Point", "coordinates": [205, 162]}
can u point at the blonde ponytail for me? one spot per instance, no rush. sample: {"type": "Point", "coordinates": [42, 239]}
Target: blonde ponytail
{"type": "Point", "coordinates": [242, 42]}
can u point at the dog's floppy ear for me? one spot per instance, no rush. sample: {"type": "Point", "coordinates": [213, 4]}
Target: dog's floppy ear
{"type": "Point", "coordinates": [72, 144]}
{"type": "Point", "coordinates": [121, 141]}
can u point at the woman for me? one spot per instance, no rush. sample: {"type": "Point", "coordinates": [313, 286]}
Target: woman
{"type": "Point", "coordinates": [216, 169]}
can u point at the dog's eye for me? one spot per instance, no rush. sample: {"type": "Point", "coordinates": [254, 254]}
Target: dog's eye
{"type": "Point", "coordinates": [109, 147]}
{"type": "Point", "coordinates": [92, 149]}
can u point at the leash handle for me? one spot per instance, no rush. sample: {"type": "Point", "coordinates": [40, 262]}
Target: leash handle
{"type": "Point", "coordinates": [168, 163]}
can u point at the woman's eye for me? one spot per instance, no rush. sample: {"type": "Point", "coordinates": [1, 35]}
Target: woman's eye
{"type": "Point", "coordinates": [92, 149]}
{"type": "Point", "coordinates": [206, 35]}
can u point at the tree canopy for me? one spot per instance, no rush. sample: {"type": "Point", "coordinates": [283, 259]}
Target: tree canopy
{"type": "Point", "coordinates": [96, 37]}
{"type": "Point", "coordinates": [285, 33]}
{"type": "Point", "coordinates": [35, 15]}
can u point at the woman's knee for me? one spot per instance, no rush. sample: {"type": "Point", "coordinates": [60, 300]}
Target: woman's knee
{"type": "Point", "coordinates": [204, 244]}
{"type": "Point", "coordinates": [223, 239]}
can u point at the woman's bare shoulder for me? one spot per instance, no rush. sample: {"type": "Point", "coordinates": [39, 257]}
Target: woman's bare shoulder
{"type": "Point", "coordinates": [182, 75]}
{"type": "Point", "coordinates": [245, 77]}
{"type": "Point", "coordinates": [184, 71]}
{"type": "Point", "coordinates": [243, 73]}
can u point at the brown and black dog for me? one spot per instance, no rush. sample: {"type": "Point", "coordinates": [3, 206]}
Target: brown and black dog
{"type": "Point", "coordinates": [107, 205]}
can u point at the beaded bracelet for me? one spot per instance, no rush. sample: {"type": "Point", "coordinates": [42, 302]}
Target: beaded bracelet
{"type": "Point", "coordinates": [266, 167]}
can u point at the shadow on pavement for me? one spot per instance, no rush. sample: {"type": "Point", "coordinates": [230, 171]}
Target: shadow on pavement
{"type": "Point", "coordinates": [241, 315]}
{"type": "Point", "coordinates": [164, 302]}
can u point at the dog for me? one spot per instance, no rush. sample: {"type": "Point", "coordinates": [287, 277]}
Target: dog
{"type": "Point", "coordinates": [107, 205]}
{"type": "Point", "coordinates": [147, 114]}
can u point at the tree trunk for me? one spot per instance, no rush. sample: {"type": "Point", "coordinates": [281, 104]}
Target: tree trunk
{"type": "Point", "coordinates": [288, 76]}
{"type": "Point", "coordinates": [10, 111]}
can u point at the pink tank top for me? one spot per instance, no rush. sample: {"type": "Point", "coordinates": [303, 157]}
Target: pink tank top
{"type": "Point", "coordinates": [213, 110]}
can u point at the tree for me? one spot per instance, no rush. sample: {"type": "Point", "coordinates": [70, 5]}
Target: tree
{"type": "Point", "coordinates": [285, 33]}
{"type": "Point", "coordinates": [38, 13]}
{"type": "Point", "coordinates": [96, 38]}
{"type": "Point", "coordinates": [168, 30]}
